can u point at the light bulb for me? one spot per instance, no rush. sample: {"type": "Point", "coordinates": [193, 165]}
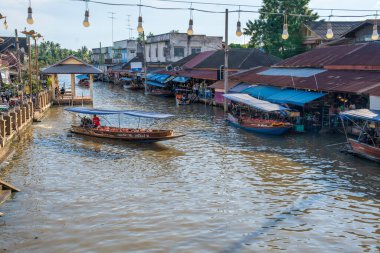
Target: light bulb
{"type": "Point", "coordinates": [238, 29]}
{"type": "Point", "coordinates": [329, 34]}
{"type": "Point", "coordinates": [30, 17]}
{"type": "Point", "coordinates": [285, 33]}
{"type": "Point", "coordinates": [86, 23]}
{"type": "Point", "coordinates": [375, 34]}
{"type": "Point", "coordinates": [190, 29]}
{"type": "Point", "coordinates": [5, 24]}
{"type": "Point", "coordinates": [140, 28]}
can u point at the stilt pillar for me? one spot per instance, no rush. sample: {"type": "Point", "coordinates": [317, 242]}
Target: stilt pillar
{"type": "Point", "coordinates": [91, 87]}
{"type": "Point", "coordinates": [8, 124]}
{"type": "Point", "coordinates": [72, 86]}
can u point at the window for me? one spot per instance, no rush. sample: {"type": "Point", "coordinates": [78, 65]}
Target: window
{"type": "Point", "coordinates": [195, 50]}
{"type": "Point", "coordinates": [133, 51]}
{"type": "Point", "coordinates": [179, 52]}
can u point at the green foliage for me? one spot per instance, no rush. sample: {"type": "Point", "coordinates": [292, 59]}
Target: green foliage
{"type": "Point", "coordinates": [50, 53]}
{"type": "Point", "coordinates": [266, 31]}
{"type": "Point", "coordinates": [233, 45]}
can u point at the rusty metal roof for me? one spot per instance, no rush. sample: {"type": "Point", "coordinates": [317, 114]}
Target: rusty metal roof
{"type": "Point", "coordinates": [198, 59]}
{"type": "Point", "coordinates": [320, 57]}
{"type": "Point", "coordinates": [339, 27]}
{"type": "Point", "coordinates": [360, 82]}
{"type": "Point", "coordinates": [366, 55]}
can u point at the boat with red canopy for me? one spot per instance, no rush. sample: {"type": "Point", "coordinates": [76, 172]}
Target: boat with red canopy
{"type": "Point", "coordinates": [122, 133]}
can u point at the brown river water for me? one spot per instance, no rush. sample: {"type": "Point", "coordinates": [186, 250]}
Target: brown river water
{"type": "Point", "coordinates": [218, 189]}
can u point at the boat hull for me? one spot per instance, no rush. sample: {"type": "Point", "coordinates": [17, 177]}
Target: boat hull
{"type": "Point", "coordinates": [364, 150]}
{"type": "Point", "coordinates": [135, 135]}
{"type": "Point", "coordinates": [271, 130]}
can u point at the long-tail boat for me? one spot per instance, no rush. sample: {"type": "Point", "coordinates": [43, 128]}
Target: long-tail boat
{"type": "Point", "coordinates": [122, 133]}
{"type": "Point", "coordinates": [367, 145]}
{"type": "Point", "coordinates": [257, 125]}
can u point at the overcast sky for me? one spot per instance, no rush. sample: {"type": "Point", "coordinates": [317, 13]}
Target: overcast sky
{"type": "Point", "coordinates": [61, 20]}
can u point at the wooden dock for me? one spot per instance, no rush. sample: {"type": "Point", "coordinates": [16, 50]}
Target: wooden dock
{"type": "Point", "coordinates": [69, 100]}
{"type": "Point", "coordinates": [6, 192]}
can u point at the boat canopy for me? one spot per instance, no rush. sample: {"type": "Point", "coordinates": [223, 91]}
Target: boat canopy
{"type": "Point", "coordinates": [295, 97]}
{"type": "Point", "coordinates": [156, 84]}
{"type": "Point", "coordinates": [82, 77]}
{"type": "Point", "coordinates": [135, 113]}
{"type": "Point", "coordinates": [255, 103]}
{"type": "Point", "coordinates": [126, 79]}
{"type": "Point", "coordinates": [181, 79]}
{"type": "Point", "coordinates": [364, 114]}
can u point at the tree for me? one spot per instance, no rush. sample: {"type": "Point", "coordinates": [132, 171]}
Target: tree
{"type": "Point", "coordinates": [266, 31]}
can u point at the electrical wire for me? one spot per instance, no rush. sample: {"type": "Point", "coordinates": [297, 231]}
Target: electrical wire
{"type": "Point", "coordinates": [235, 5]}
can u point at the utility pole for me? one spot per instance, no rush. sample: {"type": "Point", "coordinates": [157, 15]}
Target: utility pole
{"type": "Point", "coordinates": [112, 18]}
{"type": "Point", "coordinates": [18, 59]}
{"type": "Point", "coordinates": [144, 59]}
{"type": "Point", "coordinates": [129, 26]}
{"type": "Point", "coordinates": [30, 68]}
{"type": "Point", "coordinates": [226, 62]}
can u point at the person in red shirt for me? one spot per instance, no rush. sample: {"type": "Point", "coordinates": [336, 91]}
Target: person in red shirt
{"type": "Point", "coordinates": [96, 121]}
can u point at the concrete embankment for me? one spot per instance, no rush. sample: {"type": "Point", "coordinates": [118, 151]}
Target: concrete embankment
{"type": "Point", "coordinates": [14, 123]}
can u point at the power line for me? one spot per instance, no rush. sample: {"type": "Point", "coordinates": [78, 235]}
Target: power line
{"type": "Point", "coordinates": [235, 11]}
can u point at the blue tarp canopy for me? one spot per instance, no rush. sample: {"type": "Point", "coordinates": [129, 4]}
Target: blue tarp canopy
{"type": "Point", "coordinates": [262, 91]}
{"type": "Point", "coordinates": [135, 113]}
{"type": "Point", "coordinates": [364, 114]}
{"type": "Point", "coordinates": [255, 103]}
{"type": "Point", "coordinates": [82, 77]}
{"type": "Point", "coordinates": [295, 72]}
{"type": "Point", "coordinates": [295, 97]}
{"type": "Point", "coordinates": [156, 84]}
{"type": "Point", "coordinates": [126, 79]}
{"type": "Point", "coordinates": [181, 79]}
{"type": "Point", "coordinates": [161, 78]}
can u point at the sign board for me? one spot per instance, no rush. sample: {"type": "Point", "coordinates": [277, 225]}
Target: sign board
{"type": "Point", "coordinates": [136, 66]}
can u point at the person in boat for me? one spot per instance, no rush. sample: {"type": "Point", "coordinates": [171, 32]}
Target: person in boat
{"type": "Point", "coordinates": [86, 122]}
{"type": "Point", "coordinates": [96, 121]}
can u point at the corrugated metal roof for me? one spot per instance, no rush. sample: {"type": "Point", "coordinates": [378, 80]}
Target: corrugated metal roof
{"type": "Point", "coordinates": [239, 58]}
{"type": "Point", "coordinates": [301, 72]}
{"type": "Point", "coordinates": [319, 57]}
{"type": "Point", "coordinates": [220, 84]}
{"type": "Point", "coordinates": [339, 27]}
{"type": "Point", "coordinates": [365, 82]}
{"type": "Point", "coordinates": [194, 73]}
{"type": "Point", "coordinates": [198, 59]}
{"type": "Point", "coordinates": [367, 55]}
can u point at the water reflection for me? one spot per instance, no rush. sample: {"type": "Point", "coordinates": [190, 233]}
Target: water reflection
{"type": "Point", "coordinates": [218, 189]}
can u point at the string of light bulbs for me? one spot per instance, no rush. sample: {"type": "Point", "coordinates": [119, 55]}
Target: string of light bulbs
{"type": "Point", "coordinates": [190, 31]}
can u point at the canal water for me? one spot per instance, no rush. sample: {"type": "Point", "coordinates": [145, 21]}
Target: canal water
{"type": "Point", "coordinates": [218, 189]}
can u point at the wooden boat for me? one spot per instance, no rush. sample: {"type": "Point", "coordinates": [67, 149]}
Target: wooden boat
{"type": "Point", "coordinates": [256, 125]}
{"type": "Point", "coordinates": [160, 93]}
{"type": "Point", "coordinates": [364, 150]}
{"type": "Point", "coordinates": [126, 134]}
{"type": "Point", "coordinates": [119, 133]}
{"type": "Point", "coordinates": [84, 82]}
{"type": "Point", "coordinates": [260, 125]}
{"type": "Point", "coordinates": [367, 144]}
{"type": "Point", "coordinates": [183, 96]}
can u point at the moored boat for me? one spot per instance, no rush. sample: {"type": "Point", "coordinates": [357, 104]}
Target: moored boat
{"type": "Point", "coordinates": [368, 143]}
{"type": "Point", "coordinates": [364, 150]}
{"type": "Point", "coordinates": [255, 124]}
{"type": "Point", "coordinates": [260, 125]}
